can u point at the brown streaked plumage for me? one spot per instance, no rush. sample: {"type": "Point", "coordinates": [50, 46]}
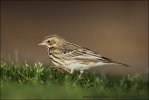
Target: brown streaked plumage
{"type": "Point", "coordinates": [71, 57]}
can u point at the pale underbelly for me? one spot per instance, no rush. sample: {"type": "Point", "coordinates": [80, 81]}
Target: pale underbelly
{"type": "Point", "coordinates": [82, 66]}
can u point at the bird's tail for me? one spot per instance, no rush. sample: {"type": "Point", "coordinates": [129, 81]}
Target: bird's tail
{"type": "Point", "coordinates": [120, 64]}
{"type": "Point", "coordinates": [107, 60]}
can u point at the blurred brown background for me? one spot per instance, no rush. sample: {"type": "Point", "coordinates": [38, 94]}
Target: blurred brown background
{"type": "Point", "coordinates": [115, 29]}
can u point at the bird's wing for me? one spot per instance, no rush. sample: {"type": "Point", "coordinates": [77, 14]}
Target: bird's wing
{"type": "Point", "coordinates": [86, 55]}
{"type": "Point", "coordinates": [75, 50]}
{"type": "Point", "coordinates": [80, 53]}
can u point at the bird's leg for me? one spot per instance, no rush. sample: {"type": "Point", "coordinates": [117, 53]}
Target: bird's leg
{"type": "Point", "coordinates": [63, 69]}
{"type": "Point", "coordinates": [69, 71]}
{"type": "Point", "coordinates": [54, 68]}
{"type": "Point", "coordinates": [81, 72]}
{"type": "Point", "coordinates": [59, 69]}
{"type": "Point", "coordinates": [72, 71]}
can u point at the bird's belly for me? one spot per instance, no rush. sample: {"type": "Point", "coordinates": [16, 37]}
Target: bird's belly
{"type": "Point", "coordinates": [80, 65]}
{"type": "Point", "coordinates": [75, 65]}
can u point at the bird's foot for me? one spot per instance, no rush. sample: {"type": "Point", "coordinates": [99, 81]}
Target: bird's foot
{"type": "Point", "coordinates": [81, 73]}
{"type": "Point", "coordinates": [59, 69]}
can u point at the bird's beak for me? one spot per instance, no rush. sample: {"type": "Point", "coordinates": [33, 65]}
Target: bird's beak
{"type": "Point", "coordinates": [42, 43]}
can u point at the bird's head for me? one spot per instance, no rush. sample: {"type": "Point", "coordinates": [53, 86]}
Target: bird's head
{"type": "Point", "coordinates": [52, 41]}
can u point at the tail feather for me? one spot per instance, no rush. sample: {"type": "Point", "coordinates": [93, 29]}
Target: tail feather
{"type": "Point", "coordinates": [121, 64]}
{"type": "Point", "coordinates": [107, 60]}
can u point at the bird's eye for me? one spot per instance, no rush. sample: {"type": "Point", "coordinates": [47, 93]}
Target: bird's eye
{"type": "Point", "coordinates": [48, 41]}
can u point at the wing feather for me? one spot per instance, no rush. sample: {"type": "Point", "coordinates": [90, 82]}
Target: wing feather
{"type": "Point", "coordinates": [78, 52]}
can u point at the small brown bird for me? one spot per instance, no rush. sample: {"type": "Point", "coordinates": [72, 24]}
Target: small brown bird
{"type": "Point", "coordinates": [72, 57]}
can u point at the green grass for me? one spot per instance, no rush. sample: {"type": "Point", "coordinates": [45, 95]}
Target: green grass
{"type": "Point", "coordinates": [23, 81]}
